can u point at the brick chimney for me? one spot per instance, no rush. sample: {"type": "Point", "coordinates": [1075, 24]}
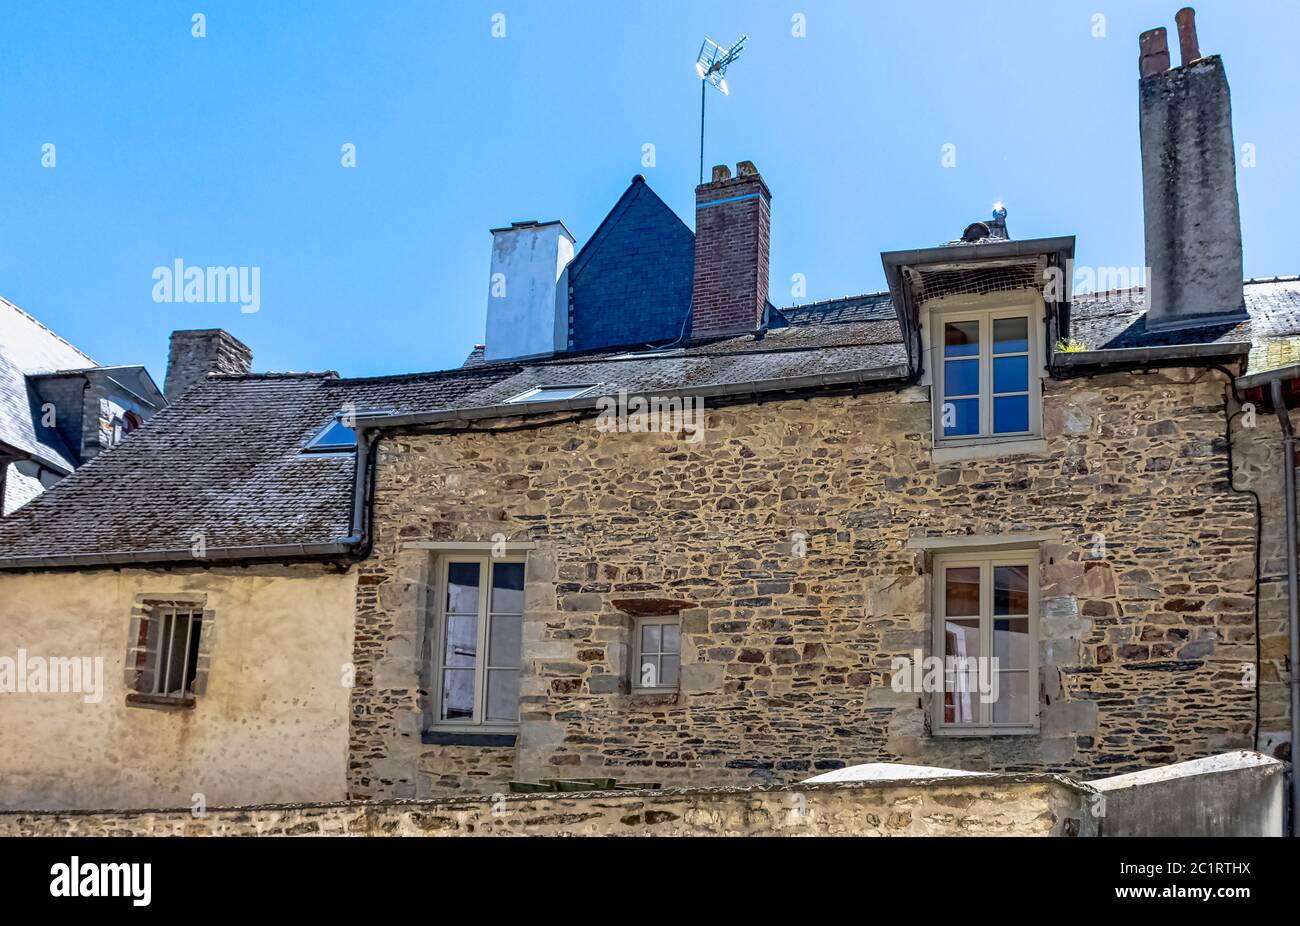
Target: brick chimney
{"type": "Point", "coordinates": [196, 353]}
{"type": "Point", "coordinates": [1189, 183]}
{"type": "Point", "coordinates": [733, 230]}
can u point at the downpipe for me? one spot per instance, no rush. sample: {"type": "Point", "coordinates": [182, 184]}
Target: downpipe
{"type": "Point", "coordinates": [1292, 594]}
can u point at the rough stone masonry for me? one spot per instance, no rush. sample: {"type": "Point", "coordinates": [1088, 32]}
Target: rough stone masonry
{"type": "Point", "coordinates": [786, 659]}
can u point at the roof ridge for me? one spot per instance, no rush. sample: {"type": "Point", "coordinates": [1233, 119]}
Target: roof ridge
{"type": "Point", "coordinates": [809, 305]}
{"type": "Point", "coordinates": [46, 328]}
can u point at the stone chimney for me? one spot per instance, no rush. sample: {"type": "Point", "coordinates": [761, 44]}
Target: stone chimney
{"type": "Point", "coordinates": [1189, 184]}
{"type": "Point", "coordinates": [528, 290]}
{"type": "Point", "coordinates": [196, 353]}
{"type": "Point", "coordinates": [733, 231]}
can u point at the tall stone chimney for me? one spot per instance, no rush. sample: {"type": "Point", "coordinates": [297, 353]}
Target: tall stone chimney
{"type": "Point", "coordinates": [733, 232]}
{"type": "Point", "coordinates": [528, 290]}
{"type": "Point", "coordinates": [196, 353]}
{"type": "Point", "coordinates": [1189, 184]}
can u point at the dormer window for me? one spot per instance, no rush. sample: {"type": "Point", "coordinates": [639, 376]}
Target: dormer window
{"type": "Point", "coordinates": [985, 376]}
{"type": "Point", "coordinates": [550, 394]}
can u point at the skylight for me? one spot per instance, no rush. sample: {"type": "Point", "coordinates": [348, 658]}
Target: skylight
{"type": "Point", "coordinates": [550, 393]}
{"type": "Point", "coordinates": [335, 437]}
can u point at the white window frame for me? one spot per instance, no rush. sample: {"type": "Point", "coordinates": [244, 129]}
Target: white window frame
{"type": "Point", "coordinates": [437, 655]}
{"type": "Point", "coordinates": [986, 560]}
{"type": "Point", "coordinates": [986, 316]}
{"type": "Point", "coordinates": [661, 620]}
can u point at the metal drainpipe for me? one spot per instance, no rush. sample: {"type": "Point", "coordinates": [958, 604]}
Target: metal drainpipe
{"type": "Point", "coordinates": [1292, 595]}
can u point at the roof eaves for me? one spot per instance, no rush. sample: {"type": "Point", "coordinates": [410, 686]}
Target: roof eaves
{"type": "Point", "coordinates": [340, 547]}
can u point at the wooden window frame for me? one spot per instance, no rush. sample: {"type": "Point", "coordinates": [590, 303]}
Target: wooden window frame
{"type": "Point", "coordinates": [986, 560]}
{"type": "Point", "coordinates": [436, 656]}
{"type": "Point", "coordinates": [662, 620]}
{"type": "Point", "coordinates": [986, 317]}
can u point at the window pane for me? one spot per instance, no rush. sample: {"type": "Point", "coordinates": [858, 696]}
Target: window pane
{"type": "Point", "coordinates": [1011, 642]}
{"type": "Point", "coordinates": [1011, 374]}
{"type": "Point", "coordinates": [1010, 335]}
{"type": "Point", "coordinates": [650, 638]}
{"type": "Point", "coordinates": [508, 588]}
{"type": "Point", "coordinates": [668, 672]}
{"type": "Point", "coordinates": [962, 591]}
{"type": "Point", "coordinates": [462, 588]}
{"type": "Point", "coordinates": [1010, 414]}
{"type": "Point", "coordinates": [961, 339]}
{"type": "Point", "coordinates": [457, 694]}
{"type": "Point", "coordinates": [503, 695]}
{"type": "Point", "coordinates": [462, 642]}
{"type": "Point", "coordinates": [961, 377]}
{"type": "Point", "coordinates": [174, 654]}
{"type": "Point", "coordinates": [1011, 589]}
{"type": "Point", "coordinates": [1012, 705]}
{"type": "Point", "coordinates": [504, 635]}
{"type": "Point", "coordinates": [961, 416]}
{"type": "Point", "coordinates": [672, 638]}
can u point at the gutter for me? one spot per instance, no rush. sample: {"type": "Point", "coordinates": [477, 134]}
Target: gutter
{"type": "Point", "coordinates": [1143, 355]}
{"type": "Point", "coordinates": [183, 554]}
{"type": "Point", "coordinates": [589, 403]}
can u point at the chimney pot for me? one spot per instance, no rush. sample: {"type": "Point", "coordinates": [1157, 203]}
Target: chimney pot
{"type": "Point", "coordinates": [1154, 52]}
{"type": "Point", "coordinates": [746, 169]}
{"type": "Point", "coordinates": [1188, 48]}
{"type": "Point", "coordinates": [721, 172]}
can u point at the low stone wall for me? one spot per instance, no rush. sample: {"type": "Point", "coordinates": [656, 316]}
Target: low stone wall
{"type": "Point", "coordinates": [994, 805]}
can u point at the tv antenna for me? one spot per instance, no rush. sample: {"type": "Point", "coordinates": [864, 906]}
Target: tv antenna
{"type": "Point", "coordinates": [712, 65]}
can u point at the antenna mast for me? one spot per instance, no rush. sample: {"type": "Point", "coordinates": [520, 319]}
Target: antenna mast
{"type": "Point", "coordinates": [712, 65]}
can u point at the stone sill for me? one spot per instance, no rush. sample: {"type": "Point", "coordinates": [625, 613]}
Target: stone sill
{"type": "Point", "coordinates": [988, 449]}
{"type": "Point", "coordinates": [159, 703]}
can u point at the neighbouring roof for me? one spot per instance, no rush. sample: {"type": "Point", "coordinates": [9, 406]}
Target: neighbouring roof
{"type": "Point", "coordinates": [28, 347]}
{"type": "Point", "coordinates": [225, 459]}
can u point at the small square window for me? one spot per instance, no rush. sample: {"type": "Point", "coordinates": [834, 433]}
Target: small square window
{"type": "Point", "coordinates": [658, 649]}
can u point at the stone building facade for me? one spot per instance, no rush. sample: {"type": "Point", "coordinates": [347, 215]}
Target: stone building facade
{"type": "Point", "coordinates": [1145, 558]}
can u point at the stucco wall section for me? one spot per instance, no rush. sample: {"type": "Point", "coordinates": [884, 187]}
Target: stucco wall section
{"type": "Point", "coordinates": [1146, 614]}
{"type": "Point", "coordinates": [271, 725]}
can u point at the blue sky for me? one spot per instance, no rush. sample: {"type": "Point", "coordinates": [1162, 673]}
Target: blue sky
{"type": "Point", "coordinates": [226, 150]}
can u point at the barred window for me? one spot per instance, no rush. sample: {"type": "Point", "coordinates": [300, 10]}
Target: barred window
{"type": "Point", "coordinates": [165, 652]}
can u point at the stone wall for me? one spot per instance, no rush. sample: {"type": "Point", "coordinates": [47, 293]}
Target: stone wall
{"type": "Point", "coordinates": [1004, 806]}
{"type": "Point", "coordinates": [1146, 610]}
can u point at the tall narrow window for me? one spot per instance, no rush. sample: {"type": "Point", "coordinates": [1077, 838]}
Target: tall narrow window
{"type": "Point", "coordinates": [479, 641]}
{"type": "Point", "coordinates": [983, 376]}
{"type": "Point", "coordinates": [985, 635]}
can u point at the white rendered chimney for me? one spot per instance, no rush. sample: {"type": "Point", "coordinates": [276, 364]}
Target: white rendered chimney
{"type": "Point", "coordinates": [528, 298]}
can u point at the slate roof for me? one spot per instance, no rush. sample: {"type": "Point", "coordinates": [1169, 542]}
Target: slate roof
{"type": "Point", "coordinates": [28, 347]}
{"type": "Point", "coordinates": [226, 459]}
